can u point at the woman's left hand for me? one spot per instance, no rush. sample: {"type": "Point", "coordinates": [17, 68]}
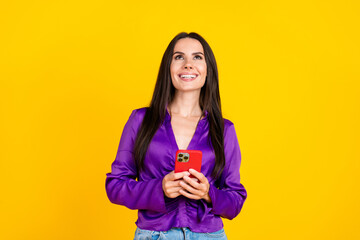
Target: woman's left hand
{"type": "Point", "coordinates": [196, 190]}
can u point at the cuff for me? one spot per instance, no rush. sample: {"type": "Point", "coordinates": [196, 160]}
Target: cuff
{"type": "Point", "coordinates": [157, 198]}
{"type": "Point", "coordinates": [204, 207]}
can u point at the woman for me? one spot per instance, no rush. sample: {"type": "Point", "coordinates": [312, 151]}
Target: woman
{"type": "Point", "coordinates": [184, 113]}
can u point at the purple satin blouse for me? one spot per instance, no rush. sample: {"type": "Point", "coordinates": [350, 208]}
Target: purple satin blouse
{"type": "Point", "coordinates": [156, 211]}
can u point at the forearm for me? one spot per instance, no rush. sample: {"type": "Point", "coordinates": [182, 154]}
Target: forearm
{"type": "Point", "coordinates": [136, 195]}
{"type": "Point", "coordinates": [225, 203]}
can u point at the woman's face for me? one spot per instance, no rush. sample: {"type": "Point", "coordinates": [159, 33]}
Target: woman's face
{"type": "Point", "coordinates": [188, 65]}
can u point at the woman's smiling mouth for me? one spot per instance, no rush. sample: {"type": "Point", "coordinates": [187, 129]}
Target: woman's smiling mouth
{"type": "Point", "coordinates": [187, 77]}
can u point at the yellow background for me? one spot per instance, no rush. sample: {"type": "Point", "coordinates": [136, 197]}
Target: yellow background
{"type": "Point", "coordinates": [72, 71]}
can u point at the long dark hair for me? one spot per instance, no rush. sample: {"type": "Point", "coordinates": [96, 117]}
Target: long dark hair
{"type": "Point", "coordinates": [163, 95]}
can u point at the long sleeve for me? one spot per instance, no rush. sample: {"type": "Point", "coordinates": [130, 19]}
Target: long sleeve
{"type": "Point", "coordinates": [228, 199]}
{"type": "Point", "coordinates": [121, 186]}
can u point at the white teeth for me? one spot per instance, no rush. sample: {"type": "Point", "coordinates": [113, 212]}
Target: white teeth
{"type": "Point", "coordinates": [188, 76]}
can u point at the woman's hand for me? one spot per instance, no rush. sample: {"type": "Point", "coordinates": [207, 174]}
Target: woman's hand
{"type": "Point", "coordinates": [171, 183]}
{"type": "Point", "coordinates": [194, 189]}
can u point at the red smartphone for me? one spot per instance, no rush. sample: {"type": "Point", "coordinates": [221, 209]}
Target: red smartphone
{"type": "Point", "coordinates": [186, 159]}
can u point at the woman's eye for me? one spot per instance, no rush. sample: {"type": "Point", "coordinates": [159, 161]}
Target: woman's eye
{"type": "Point", "coordinates": [196, 57]}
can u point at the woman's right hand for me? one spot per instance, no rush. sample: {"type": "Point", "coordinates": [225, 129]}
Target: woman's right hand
{"type": "Point", "coordinates": [171, 183]}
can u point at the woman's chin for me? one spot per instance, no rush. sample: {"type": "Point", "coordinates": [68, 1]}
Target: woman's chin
{"type": "Point", "coordinates": [188, 89]}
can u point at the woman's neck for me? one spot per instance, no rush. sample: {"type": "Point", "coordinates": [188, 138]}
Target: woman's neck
{"type": "Point", "coordinates": [186, 104]}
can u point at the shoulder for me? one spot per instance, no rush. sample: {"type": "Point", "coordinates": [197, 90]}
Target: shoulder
{"type": "Point", "coordinates": [228, 125]}
{"type": "Point", "coordinates": [139, 113]}
{"type": "Point", "coordinates": [229, 128]}
{"type": "Point", "coordinates": [137, 116]}
{"type": "Point", "coordinates": [230, 137]}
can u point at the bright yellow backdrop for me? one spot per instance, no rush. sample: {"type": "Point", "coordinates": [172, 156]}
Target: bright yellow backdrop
{"type": "Point", "coordinates": [72, 71]}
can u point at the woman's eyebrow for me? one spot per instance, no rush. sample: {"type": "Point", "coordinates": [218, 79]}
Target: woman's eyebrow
{"type": "Point", "coordinates": [192, 54]}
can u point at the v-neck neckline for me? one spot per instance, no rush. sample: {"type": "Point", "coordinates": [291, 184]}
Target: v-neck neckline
{"type": "Point", "coordinates": [172, 137]}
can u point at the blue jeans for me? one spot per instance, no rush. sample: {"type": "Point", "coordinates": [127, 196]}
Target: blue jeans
{"type": "Point", "coordinates": [177, 234]}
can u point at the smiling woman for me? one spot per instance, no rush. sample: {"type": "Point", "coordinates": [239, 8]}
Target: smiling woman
{"type": "Point", "coordinates": [184, 113]}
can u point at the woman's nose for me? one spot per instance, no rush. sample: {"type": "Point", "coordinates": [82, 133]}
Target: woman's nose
{"type": "Point", "coordinates": [188, 65]}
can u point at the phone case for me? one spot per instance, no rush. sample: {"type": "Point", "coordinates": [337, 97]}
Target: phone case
{"type": "Point", "coordinates": [186, 159]}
